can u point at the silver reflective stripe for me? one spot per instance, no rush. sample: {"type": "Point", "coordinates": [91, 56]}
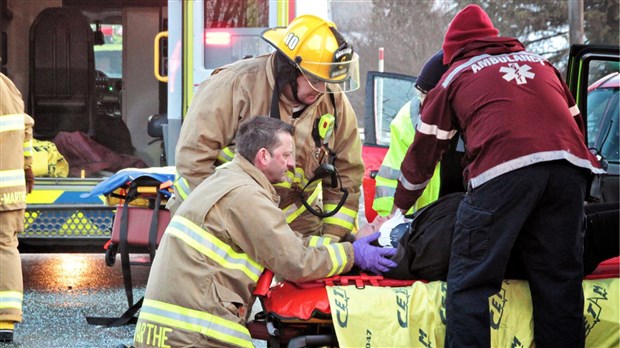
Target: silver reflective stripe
{"type": "Point", "coordinates": [225, 155]}
{"type": "Point", "coordinates": [338, 256]}
{"type": "Point", "coordinates": [388, 173]}
{"type": "Point", "coordinates": [574, 110]}
{"type": "Point", "coordinates": [197, 321]}
{"type": "Point", "coordinates": [181, 185]}
{"type": "Point", "coordinates": [12, 122]}
{"type": "Point", "coordinates": [527, 160]}
{"type": "Point", "coordinates": [431, 129]}
{"type": "Point", "coordinates": [11, 299]}
{"type": "Point", "coordinates": [212, 247]}
{"type": "Point", "coordinates": [412, 187]}
{"type": "Point", "coordinates": [462, 67]}
{"type": "Point", "coordinates": [316, 241]}
{"type": "Point", "coordinates": [477, 62]}
{"type": "Point", "coordinates": [384, 191]}
{"type": "Point", "coordinates": [13, 177]}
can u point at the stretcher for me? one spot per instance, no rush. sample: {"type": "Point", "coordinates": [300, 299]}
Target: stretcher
{"type": "Point", "coordinates": [140, 221]}
{"type": "Point", "coordinates": [364, 310]}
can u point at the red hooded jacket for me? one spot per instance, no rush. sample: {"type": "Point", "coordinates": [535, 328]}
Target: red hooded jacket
{"type": "Point", "coordinates": [512, 107]}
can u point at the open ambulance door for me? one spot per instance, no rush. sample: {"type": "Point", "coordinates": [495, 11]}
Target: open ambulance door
{"type": "Point", "coordinates": [593, 79]}
{"type": "Point", "coordinates": [386, 93]}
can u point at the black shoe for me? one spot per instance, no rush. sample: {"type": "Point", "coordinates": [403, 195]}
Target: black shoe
{"type": "Point", "coordinates": [6, 335]}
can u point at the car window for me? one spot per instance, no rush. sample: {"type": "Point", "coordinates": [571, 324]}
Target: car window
{"type": "Point", "coordinates": [603, 122]}
{"type": "Point", "coordinates": [386, 93]}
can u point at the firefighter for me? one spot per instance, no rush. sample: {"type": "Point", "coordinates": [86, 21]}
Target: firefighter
{"type": "Point", "coordinates": [402, 132]}
{"type": "Point", "coordinates": [302, 83]}
{"type": "Point", "coordinates": [228, 230]}
{"type": "Point", "coordinates": [16, 180]}
{"type": "Point", "coordinates": [527, 169]}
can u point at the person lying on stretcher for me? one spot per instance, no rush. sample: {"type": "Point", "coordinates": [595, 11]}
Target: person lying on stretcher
{"type": "Point", "coordinates": [423, 242]}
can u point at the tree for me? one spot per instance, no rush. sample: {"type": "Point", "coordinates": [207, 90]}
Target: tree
{"type": "Point", "coordinates": [413, 30]}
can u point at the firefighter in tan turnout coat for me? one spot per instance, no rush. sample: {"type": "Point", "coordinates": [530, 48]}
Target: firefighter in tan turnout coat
{"type": "Point", "coordinates": [302, 83]}
{"type": "Point", "coordinates": [16, 179]}
{"type": "Point", "coordinates": [227, 231]}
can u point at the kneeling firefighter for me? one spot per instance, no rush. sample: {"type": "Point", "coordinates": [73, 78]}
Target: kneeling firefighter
{"type": "Point", "coordinates": [302, 83]}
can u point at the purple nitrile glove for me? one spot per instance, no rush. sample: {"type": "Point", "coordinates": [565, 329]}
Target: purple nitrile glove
{"type": "Point", "coordinates": [372, 258]}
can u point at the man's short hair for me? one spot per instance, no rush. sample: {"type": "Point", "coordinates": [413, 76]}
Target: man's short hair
{"type": "Point", "coordinates": [260, 132]}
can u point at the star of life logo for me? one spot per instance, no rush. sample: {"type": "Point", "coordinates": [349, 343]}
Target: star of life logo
{"type": "Point", "coordinates": [519, 73]}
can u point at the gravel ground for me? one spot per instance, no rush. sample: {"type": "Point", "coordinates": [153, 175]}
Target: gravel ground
{"type": "Point", "coordinates": [61, 290]}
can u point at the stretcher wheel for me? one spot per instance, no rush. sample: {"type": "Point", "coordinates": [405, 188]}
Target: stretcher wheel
{"type": "Point", "coordinates": [110, 255]}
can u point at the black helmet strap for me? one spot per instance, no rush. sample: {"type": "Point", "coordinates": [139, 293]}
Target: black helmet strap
{"type": "Point", "coordinates": [286, 72]}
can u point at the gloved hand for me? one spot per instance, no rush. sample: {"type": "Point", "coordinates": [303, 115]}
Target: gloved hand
{"type": "Point", "coordinates": [29, 179]}
{"type": "Point", "coordinates": [372, 258]}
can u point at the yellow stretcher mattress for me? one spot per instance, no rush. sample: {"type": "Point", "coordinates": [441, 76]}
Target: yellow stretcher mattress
{"type": "Point", "coordinates": [414, 316]}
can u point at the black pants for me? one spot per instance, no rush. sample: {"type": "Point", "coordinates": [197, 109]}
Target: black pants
{"type": "Point", "coordinates": [536, 213]}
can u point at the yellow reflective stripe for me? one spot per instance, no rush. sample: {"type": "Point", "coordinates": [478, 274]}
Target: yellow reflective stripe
{"type": "Point", "coordinates": [12, 122]}
{"type": "Point", "coordinates": [316, 241]}
{"type": "Point", "coordinates": [286, 183]}
{"type": "Point", "coordinates": [344, 218]}
{"type": "Point", "coordinates": [27, 148]}
{"type": "Point", "coordinates": [181, 185]}
{"type": "Point", "coordinates": [225, 155]}
{"type": "Point", "coordinates": [11, 299]}
{"type": "Point", "coordinates": [292, 212]}
{"type": "Point", "coordinates": [338, 256]}
{"type": "Point", "coordinates": [298, 178]}
{"type": "Point", "coordinates": [210, 246]}
{"type": "Point", "coordinates": [10, 178]}
{"type": "Point", "coordinates": [196, 321]}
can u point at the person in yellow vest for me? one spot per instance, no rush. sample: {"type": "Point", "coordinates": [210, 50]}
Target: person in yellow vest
{"type": "Point", "coordinates": [402, 132]}
{"type": "Point", "coordinates": [16, 180]}
{"type": "Point", "coordinates": [302, 83]}
{"type": "Point", "coordinates": [228, 230]}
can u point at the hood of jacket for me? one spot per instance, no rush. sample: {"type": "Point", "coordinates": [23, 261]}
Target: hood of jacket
{"type": "Point", "coordinates": [489, 45]}
{"type": "Point", "coordinates": [471, 23]}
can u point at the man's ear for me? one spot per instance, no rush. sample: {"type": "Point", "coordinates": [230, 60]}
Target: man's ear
{"type": "Point", "coordinates": [260, 160]}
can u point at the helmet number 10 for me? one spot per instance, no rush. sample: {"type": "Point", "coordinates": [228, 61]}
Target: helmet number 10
{"type": "Point", "coordinates": [291, 40]}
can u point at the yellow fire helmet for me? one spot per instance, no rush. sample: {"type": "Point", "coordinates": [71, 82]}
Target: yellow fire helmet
{"type": "Point", "coordinates": [318, 50]}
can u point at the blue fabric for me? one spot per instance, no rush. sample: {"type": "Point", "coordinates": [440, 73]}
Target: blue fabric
{"type": "Point", "coordinates": [124, 177]}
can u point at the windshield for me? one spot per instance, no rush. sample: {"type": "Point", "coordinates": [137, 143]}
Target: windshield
{"type": "Point", "coordinates": [109, 56]}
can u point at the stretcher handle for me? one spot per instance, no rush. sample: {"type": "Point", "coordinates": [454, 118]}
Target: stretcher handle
{"type": "Point", "coordinates": [263, 284]}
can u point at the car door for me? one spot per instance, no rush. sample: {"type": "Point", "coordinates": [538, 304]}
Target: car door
{"type": "Point", "coordinates": [386, 93]}
{"type": "Point", "coordinates": [593, 79]}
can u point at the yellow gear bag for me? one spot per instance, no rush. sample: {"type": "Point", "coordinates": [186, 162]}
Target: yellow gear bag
{"type": "Point", "coordinates": [47, 161]}
{"type": "Point", "coordinates": [414, 316]}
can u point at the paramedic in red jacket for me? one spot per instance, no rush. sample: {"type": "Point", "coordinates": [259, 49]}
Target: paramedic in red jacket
{"type": "Point", "coordinates": [527, 169]}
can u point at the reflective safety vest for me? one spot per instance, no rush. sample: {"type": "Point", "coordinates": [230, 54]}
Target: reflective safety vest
{"type": "Point", "coordinates": [402, 133]}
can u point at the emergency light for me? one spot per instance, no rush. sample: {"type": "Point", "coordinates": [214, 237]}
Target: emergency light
{"type": "Point", "coordinates": [220, 38]}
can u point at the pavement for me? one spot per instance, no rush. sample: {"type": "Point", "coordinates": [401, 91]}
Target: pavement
{"type": "Point", "coordinates": [61, 290]}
